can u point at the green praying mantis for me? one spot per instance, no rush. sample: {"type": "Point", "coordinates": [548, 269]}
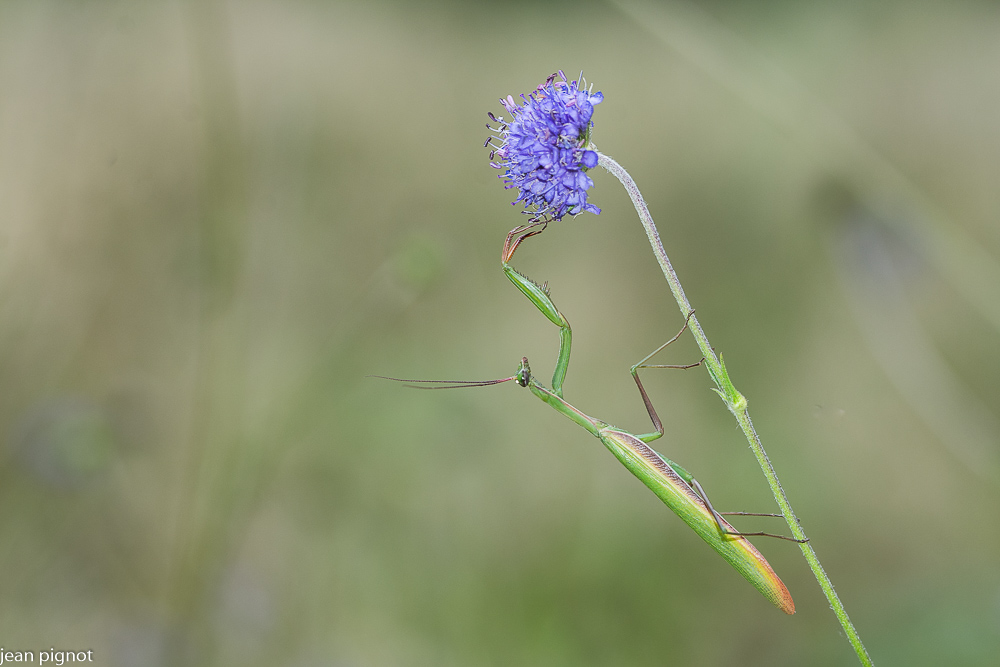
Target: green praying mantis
{"type": "Point", "coordinates": [674, 485]}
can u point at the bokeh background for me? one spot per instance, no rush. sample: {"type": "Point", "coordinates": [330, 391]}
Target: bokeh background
{"type": "Point", "coordinates": [217, 218]}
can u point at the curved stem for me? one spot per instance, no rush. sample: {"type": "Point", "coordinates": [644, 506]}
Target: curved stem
{"type": "Point", "coordinates": [735, 401]}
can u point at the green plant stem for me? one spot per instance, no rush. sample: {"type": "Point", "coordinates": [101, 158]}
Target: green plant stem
{"type": "Point", "coordinates": [735, 401]}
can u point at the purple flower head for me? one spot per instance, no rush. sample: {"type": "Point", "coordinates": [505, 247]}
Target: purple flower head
{"type": "Point", "coordinates": [544, 149]}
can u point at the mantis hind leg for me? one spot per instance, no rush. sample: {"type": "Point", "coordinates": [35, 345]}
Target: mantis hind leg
{"type": "Point", "coordinates": [721, 523]}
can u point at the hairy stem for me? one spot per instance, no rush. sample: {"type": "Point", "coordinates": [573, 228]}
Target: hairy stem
{"type": "Point", "coordinates": [735, 401]}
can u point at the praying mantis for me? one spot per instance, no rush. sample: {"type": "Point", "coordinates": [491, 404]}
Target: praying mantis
{"type": "Point", "coordinates": [674, 485]}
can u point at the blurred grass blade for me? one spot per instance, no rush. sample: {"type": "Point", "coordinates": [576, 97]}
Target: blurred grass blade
{"type": "Point", "coordinates": [697, 37]}
{"type": "Point", "coordinates": [906, 354]}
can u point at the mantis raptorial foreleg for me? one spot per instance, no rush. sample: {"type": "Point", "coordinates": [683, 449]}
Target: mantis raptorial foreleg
{"type": "Point", "coordinates": [539, 295]}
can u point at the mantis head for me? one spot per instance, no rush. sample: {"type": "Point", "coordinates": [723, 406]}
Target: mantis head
{"type": "Point", "coordinates": [523, 375]}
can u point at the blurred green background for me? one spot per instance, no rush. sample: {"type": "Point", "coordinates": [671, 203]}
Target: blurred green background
{"type": "Point", "coordinates": [218, 218]}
